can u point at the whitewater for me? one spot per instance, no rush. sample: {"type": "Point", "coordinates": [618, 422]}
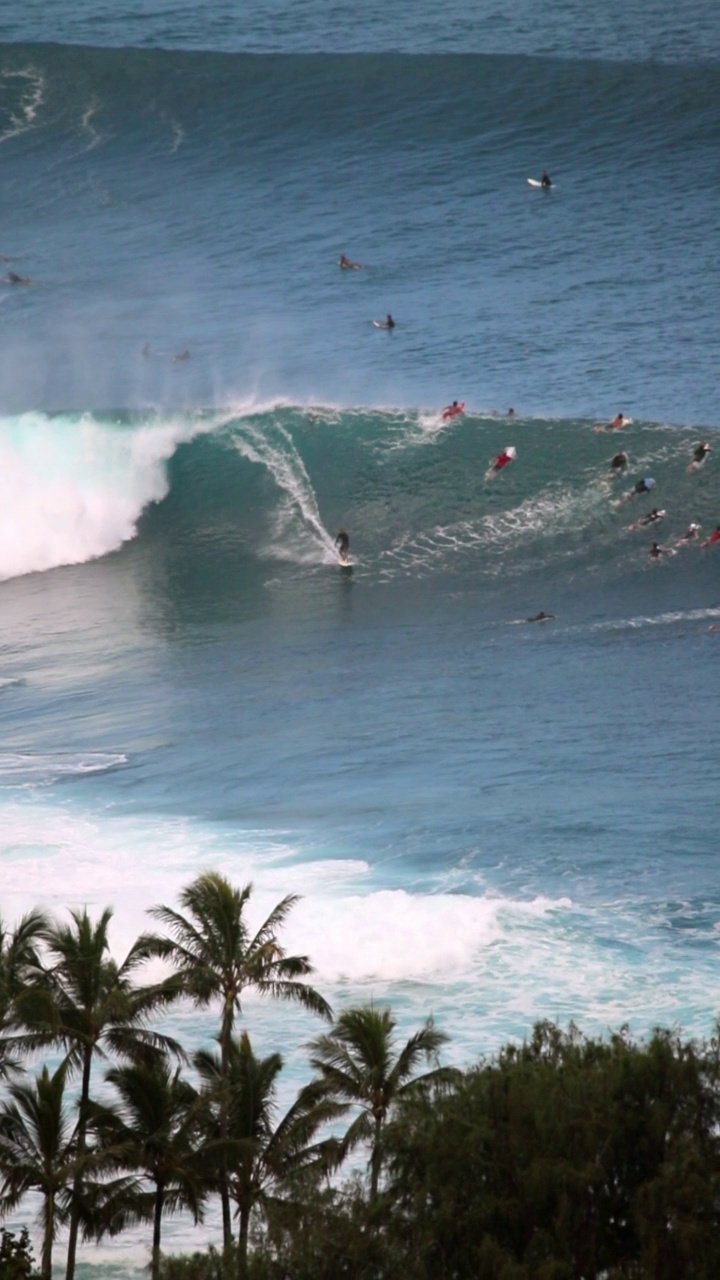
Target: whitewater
{"type": "Point", "coordinates": [488, 820]}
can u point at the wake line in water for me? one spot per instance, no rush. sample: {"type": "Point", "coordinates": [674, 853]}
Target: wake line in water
{"type": "Point", "coordinates": [299, 533]}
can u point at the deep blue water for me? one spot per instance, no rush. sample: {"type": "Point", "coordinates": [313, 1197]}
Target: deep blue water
{"type": "Point", "coordinates": [490, 820]}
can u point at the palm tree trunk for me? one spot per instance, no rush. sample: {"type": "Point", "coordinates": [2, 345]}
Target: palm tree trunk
{"type": "Point", "coordinates": [157, 1225]}
{"type": "Point", "coordinates": [78, 1180]}
{"type": "Point", "coordinates": [48, 1234]}
{"type": "Point", "coordinates": [243, 1235]}
{"type": "Point", "coordinates": [225, 1037]}
{"type": "Point", "coordinates": [375, 1160]}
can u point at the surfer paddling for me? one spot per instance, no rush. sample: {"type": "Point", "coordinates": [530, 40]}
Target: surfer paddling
{"type": "Point", "coordinates": [651, 518]}
{"type": "Point", "coordinates": [641, 486]}
{"type": "Point", "coordinates": [714, 538]}
{"type": "Point", "coordinates": [618, 463]}
{"type": "Point", "coordinates": [348, 264]}
{"type": "Point", "coordinates": [342, 546]}
{"type": "Point", "coordinates": [700, 453]}
{"type": "Point", "coordinates": [618, 421]}
{"type": "Point", "coordinates": [692, 533]}
{"type": "Point", "coordinates": [12, 277]}
{"type": "Point", "coordinates": [502, 460]}
{"type": "Point", "coordinates": [656, 551]}
{"type": "Point", "coordinates": [452, 410]}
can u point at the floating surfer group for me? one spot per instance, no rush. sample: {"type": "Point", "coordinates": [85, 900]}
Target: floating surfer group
{"type": "Point", "coordinates": [645, 485]}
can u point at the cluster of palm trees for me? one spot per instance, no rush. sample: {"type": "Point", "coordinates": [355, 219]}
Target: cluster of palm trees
{"type": "Point", "coordinates": [169, 1132]}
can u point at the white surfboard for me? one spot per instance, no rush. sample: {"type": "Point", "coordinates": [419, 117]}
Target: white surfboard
{"type": "Point", "coordinates": [383, 324]}
{"type": "Point", "coordinates": [535, 182]}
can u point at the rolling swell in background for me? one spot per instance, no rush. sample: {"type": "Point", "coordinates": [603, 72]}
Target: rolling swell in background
{"type": "Point", "coordinates": [201, 200]}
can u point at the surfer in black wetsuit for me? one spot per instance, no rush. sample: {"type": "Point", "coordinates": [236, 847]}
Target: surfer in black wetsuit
{"type": "Point", "coordinates": [656, 551]}
{"type": "Point", "coordinates": [342, 543]}
{"type": "Point", "coordinates": [12, 277]}
{"type": "Point", "coordinates": [651, 518]}
{"type": "Point", "coordinates": [545, 179]}
{"type": "Point", "coordinates": [618, 463]}
{"type": "Point", "coordinates": [700, 453]}
{"type": "Point", "coordinates": [542, 616]}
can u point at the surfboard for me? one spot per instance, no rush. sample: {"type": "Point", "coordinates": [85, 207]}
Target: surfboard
{"type": "Point", "coordinates": [535, 182]}
{"type": "Point", "coordinates": [608, 426]}
{"type": "Point", "coordinates": [383, 324]}
{"type": "Point", "coordinates": [345, 564]}
{"type": "Point", "coordinates": [453, 410]}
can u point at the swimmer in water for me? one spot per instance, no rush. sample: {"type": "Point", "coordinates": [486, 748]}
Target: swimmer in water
{"type": "Point", "coordinates": [502, 459]}
{"type": "Point", "coordinates": [650, 518]}
{"type": "Point", "coordinates": [691, 534]}
{"type": "Point", "coordinates": [348, 263]}
{"type": "Point", "coordinates": [700, 453]}
{"type": "Point", "coordinates": [640, 486]}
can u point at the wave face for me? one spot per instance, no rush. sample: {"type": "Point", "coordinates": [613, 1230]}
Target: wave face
{"type": "Point", "coordinates": [201, 200]}
{"type": "Point", "coordinates": [265, 488]}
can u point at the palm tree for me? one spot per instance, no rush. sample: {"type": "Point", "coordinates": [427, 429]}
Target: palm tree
{"type": "Point", "coordinates": [154, 1130]}
{"type": "Point", "coordinates": [87, 1003]}
{"type": "Point", "coordinates": [360, 1066]}
{"type": "Point", "coordinates": [37, 1152]}
{"type": "Point", "coordinates": [263, 1155]}
{"type": "Point", "coordinates": [217, 958]}
{"type": "Point", "coordinates": [18, 955]}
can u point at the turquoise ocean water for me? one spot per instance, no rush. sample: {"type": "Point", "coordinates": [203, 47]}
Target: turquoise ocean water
{"type": "Point", "coordinates": [489, 821]}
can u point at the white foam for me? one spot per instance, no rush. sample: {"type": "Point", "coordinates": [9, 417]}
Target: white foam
{"type": "Point", "coordinates": [72, 489]}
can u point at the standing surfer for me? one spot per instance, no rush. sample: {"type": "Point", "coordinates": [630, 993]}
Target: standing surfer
{"type": "Point", "coordinates": [342, 544]}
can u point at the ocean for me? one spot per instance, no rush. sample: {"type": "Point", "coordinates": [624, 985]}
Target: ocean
{"type": "Point", "coordinates": [488, 820]}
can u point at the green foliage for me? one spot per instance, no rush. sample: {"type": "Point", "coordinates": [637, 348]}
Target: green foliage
{"type": "Point", "coordinates": [565, 1158]}
{"type": "Point", "coordinates": [209, 1264]}
{"type": "Point", "coordinates": [16, 1255]}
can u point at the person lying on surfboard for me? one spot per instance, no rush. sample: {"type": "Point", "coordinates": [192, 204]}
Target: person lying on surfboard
{"type": "Point", "coordinates": [650, 518]}
{"type": "Point", "coordinates": [618, 463]}
{"type": "Point", "coordinates": [342, 543]}
{"type": "Point", "coordinates": [502, 459]}
{"type": "Point", "coordinates": [700, 453]}
{"type": "Point", "coordinates": [691, 534]}
{"type": "Point", "coordinates": [452, 410]}
{"type": "Point", "coordinates": [347, 262]}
